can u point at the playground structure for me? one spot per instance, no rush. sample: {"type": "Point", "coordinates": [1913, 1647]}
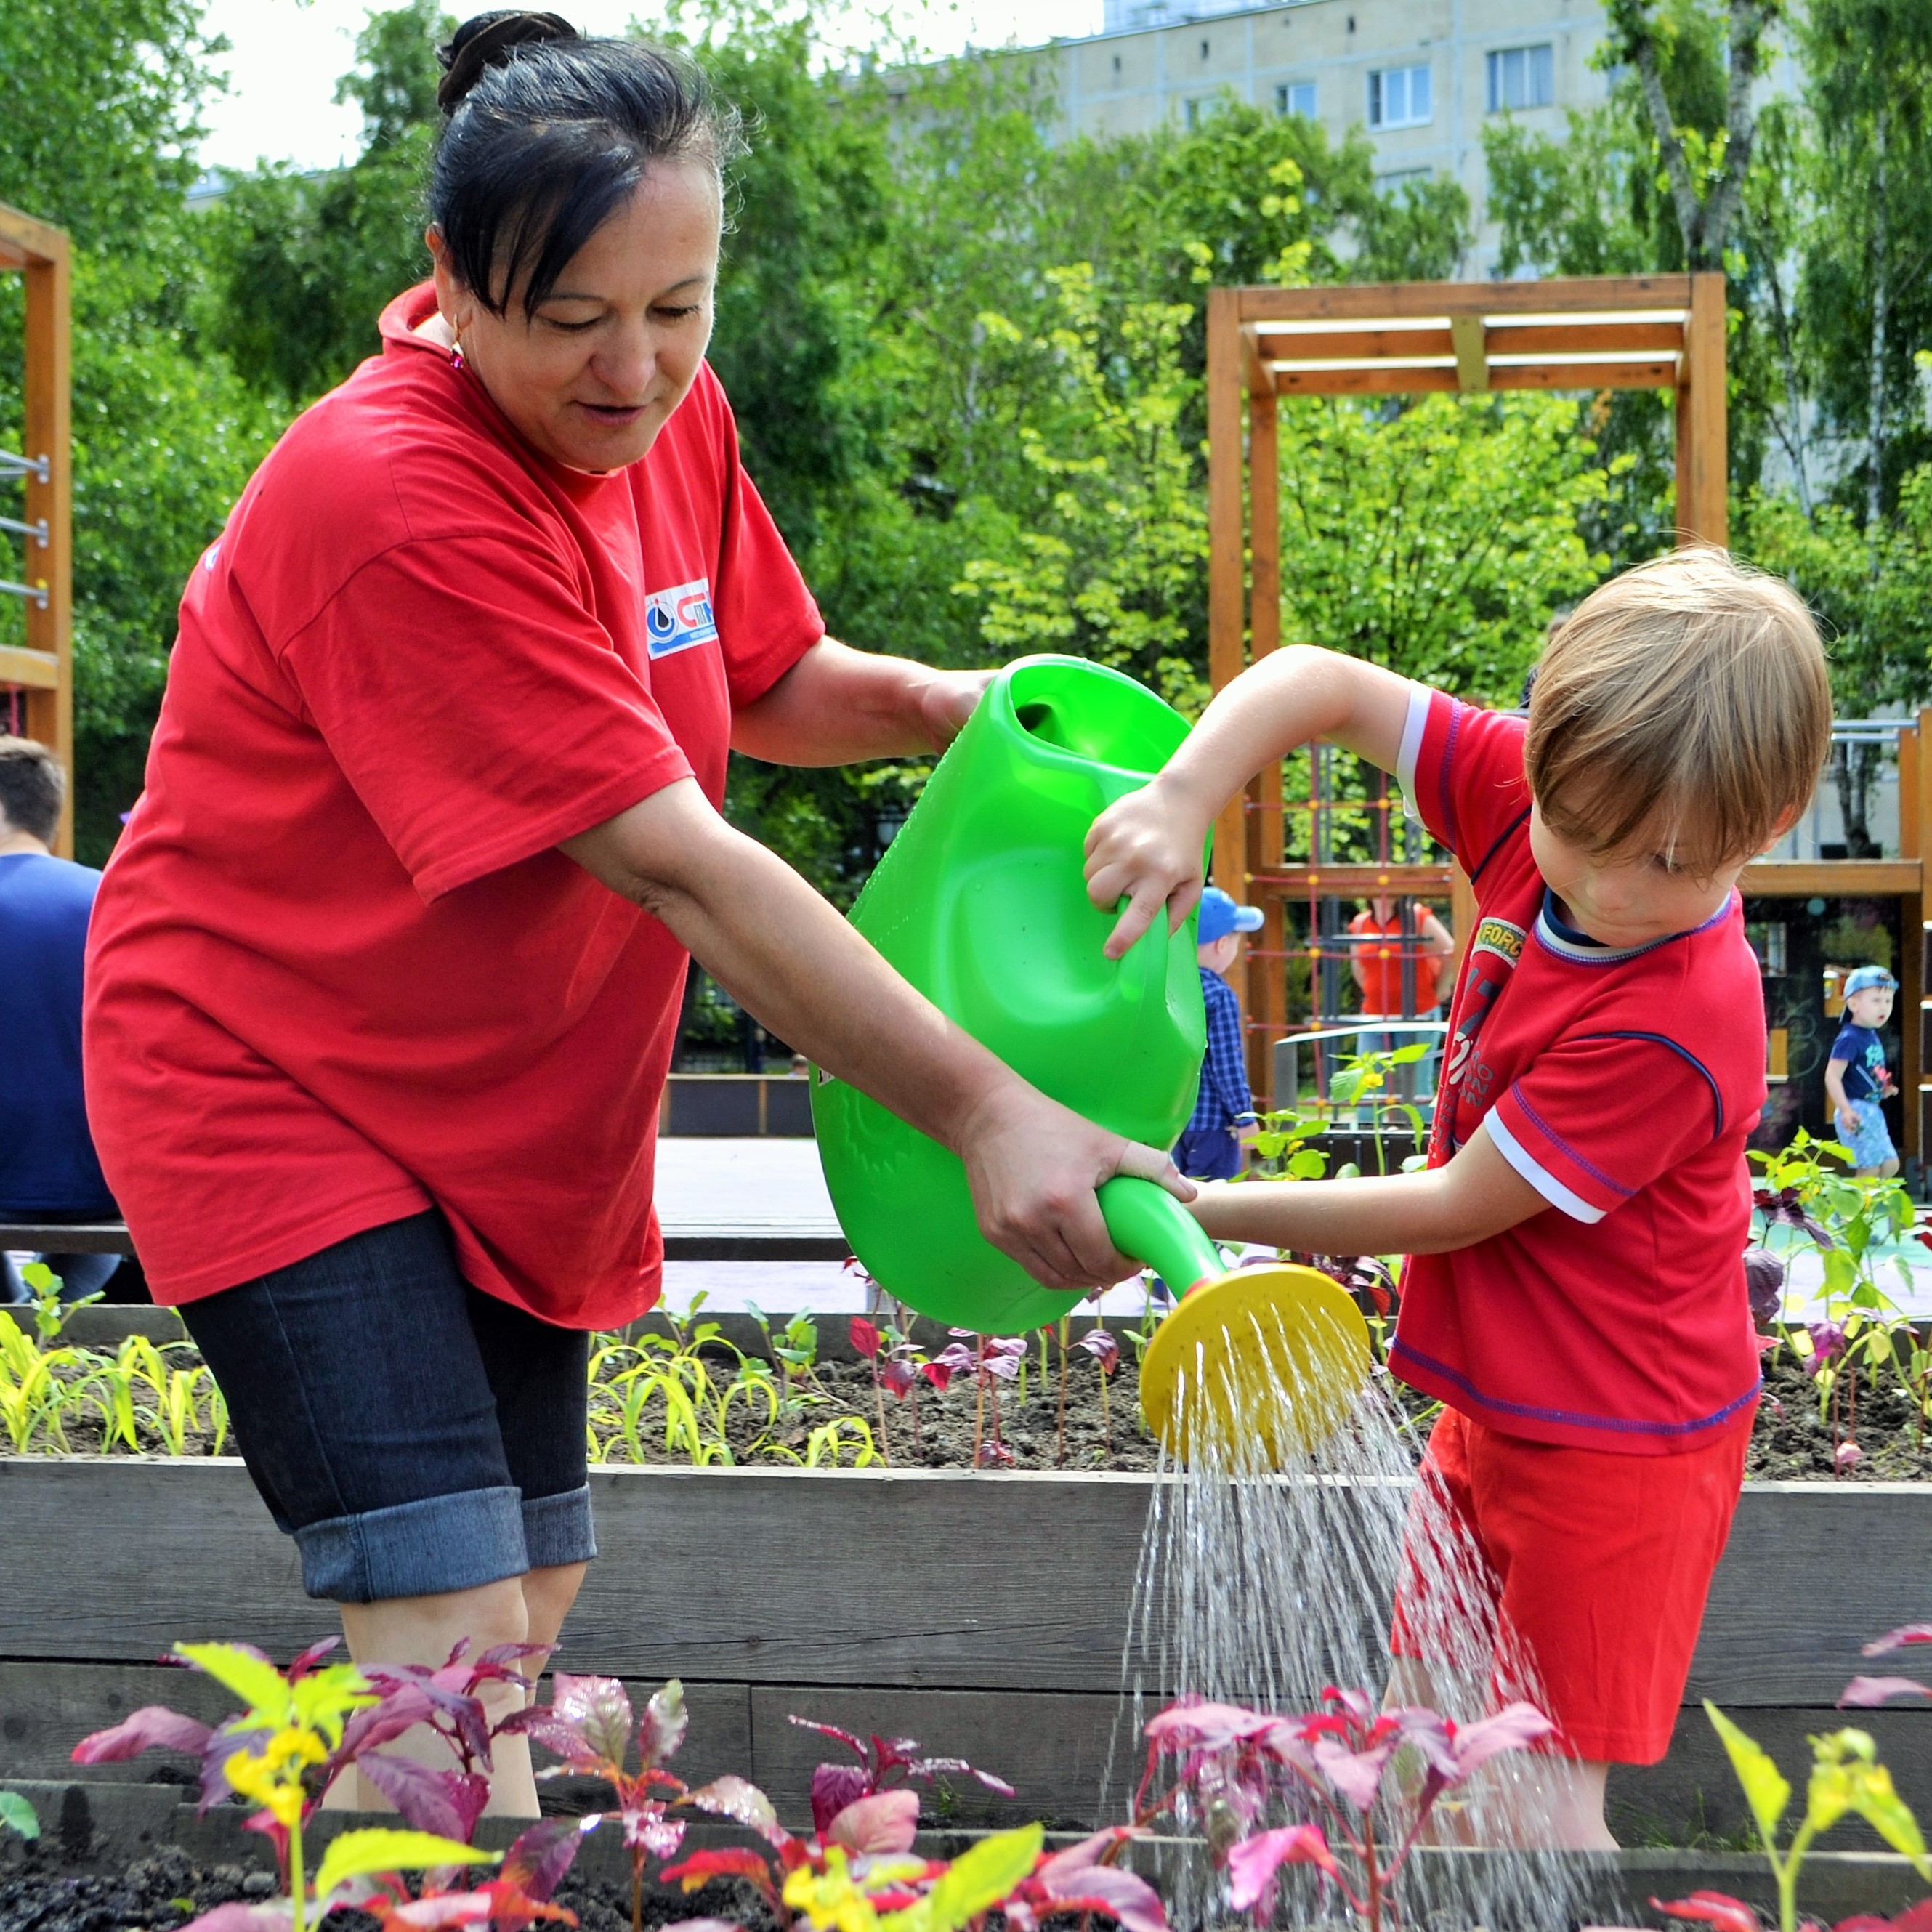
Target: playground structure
{"type": "Point", "coordinates": [37, 676]}
{"type": "Point", "coordinates": [1589, 334]}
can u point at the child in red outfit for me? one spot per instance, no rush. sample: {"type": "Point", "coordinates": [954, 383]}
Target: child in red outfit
{"type": "Point", "coordinates": [1575, 1290]}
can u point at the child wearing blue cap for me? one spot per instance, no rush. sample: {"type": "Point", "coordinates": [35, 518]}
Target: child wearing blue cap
{"type": "Point", "coordinates": [1210, 1147]}
{"type": "Point", "coordinates": [1856, 1077]}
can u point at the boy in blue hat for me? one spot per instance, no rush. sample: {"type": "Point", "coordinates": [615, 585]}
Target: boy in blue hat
{"type": "Point", "coordinates": [1210, 1147]}
{"type": "Point", "coordinates": [1856, 1077]}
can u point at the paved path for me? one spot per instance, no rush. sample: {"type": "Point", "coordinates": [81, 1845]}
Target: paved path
{"type": "Point", "coordinates": [705, 1184]}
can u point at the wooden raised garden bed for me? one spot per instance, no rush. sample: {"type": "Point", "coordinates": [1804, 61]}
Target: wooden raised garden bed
{"type": "Point", "coordinates": [984, 1615]}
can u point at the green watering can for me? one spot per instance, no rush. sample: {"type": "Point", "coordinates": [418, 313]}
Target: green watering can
{"type": "Point", "coordinates": [980, 902]}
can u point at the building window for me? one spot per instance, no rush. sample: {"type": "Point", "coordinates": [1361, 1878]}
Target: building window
{"type": "Point", "coordinates": [1297, 97]}
{"type": "Point", "coordinates": [1522, 77]}
{"type": "Point", "coordinates": [1198, 112]}
{"type": "Point", "coordinates": [1397, 177]}
{"type": "Point", "coordinates": [1399, 97]}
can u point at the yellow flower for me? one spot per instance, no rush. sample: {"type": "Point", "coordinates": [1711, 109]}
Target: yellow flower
{"type": "Point", "coordinates": [272, 1777]}
{"type": "Point", "coordinates": [832, 1902]}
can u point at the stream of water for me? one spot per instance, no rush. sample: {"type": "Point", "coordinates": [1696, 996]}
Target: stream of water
{"type": "Point", "coordinates": [1267, 1572]}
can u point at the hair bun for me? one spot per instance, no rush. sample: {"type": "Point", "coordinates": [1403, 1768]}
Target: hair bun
{"type": "Point", "coordinates": [490, 39]}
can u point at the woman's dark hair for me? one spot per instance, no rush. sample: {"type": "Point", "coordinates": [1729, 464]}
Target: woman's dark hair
{"type": "Point", "coordinates": [549, 134]}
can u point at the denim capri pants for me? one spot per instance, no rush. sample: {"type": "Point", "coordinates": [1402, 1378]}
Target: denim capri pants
{"type": "Point", "coordinates": [413, 1436]}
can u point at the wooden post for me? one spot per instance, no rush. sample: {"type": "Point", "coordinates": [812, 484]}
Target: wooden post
{"type": "Point", "coordinates": [1225, 574]}
{"type": "Point", "coordinates": [1267, 979]}
{"type": "Point", "coordinates": [1914, 841]}
{"type": "Point", "coordinates": [1702, 483]}
{"type": "Point", "coordinates": [46, 668]}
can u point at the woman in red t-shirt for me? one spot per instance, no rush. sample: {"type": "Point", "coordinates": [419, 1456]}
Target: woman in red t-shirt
{"type": "Point", "coordinates": [385, 979]}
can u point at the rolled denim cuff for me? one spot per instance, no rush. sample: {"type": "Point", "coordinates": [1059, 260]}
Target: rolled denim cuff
{"type": "Point", "coordinates": [558, 1529]}
{"type": "Point", "coordinates": [423, 1549]}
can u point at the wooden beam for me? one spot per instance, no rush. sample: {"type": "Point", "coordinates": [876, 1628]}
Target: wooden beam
{"type": "Point", "coordinates": [32, 670]}
{"type": "Point", "coordinates": [1351, 344]}
{"type": "Point", "coordinates": [47, 430]}
{"type": "Point", "coordinates": [1703, 483]}
{"type": "Point", "coordinates": [1225, 574]}
{"type": "Point", "coordinates": [1830, 878]}
{"type": "Point", "coordinates": [1472, 369]}
{"type": "Point", "coordinates": [1657, 375]}
{"type": "Point", "coordinates": [1371, 381]}
{"type": "Point", "coordinates": [1377, 301]}
{"type": "Point", "coordinates": [28, 241]}
{"type": "Point", "coordinates": [1558, 340]}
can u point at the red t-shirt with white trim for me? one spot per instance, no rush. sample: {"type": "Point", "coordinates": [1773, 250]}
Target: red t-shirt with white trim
{"type": "Point", "coordinates": [1622, 1086]}
{"type": "Point", "coordinates": [338, 972]}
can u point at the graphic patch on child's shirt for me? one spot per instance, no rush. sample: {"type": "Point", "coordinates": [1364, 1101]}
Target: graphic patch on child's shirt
{"type": "Point", "coordinates": [1493, 955]}
{"type": "Point", "coordinates": [676, 619]}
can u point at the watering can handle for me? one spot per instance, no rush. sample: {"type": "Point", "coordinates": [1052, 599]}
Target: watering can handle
{"type": "Point", "coordinates": [1147, 1222]}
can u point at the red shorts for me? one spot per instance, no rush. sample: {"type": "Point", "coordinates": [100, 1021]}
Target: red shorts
{"type": "Point", "coordinates": [1600, 1564]}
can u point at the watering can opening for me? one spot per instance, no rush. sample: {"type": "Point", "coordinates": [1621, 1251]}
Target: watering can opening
{"type": "Point", "coordinates": [1251, 1368]}
{"type": "Point", "coordinates": [1096, 716]}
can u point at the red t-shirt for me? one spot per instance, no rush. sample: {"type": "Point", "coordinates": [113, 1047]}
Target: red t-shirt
{"type": "Point", "coordinates": [338, 971]}
{"type": "Point", "coordinates": [1621, 1085]}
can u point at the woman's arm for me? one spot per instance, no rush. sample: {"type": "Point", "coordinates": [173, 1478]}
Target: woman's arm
{"type": "Point", "coordinates": [1146, 848]}
{"type": "Point", "coordinates": [836, 705]}
{"type": "Point", "coordinates": [1477, 1194]}
{"type": "Point", "coordinates": [788, 957]}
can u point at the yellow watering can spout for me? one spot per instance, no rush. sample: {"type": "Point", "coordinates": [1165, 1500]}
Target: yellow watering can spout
{"type": "Point", "coordinates": [1252, 1368]}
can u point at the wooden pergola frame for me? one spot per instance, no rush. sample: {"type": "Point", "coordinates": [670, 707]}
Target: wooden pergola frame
{"type": "Point", "coordinates": [1591, 334]}
{"type": "Point", "coordinates": [44, 667]}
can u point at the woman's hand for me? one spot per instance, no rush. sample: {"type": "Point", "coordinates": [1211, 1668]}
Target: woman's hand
{"type": "Point", "coordinates": [1146, 848]}
{"type": "Point", "coordinates": [1035, 1167]}
{"type": "Point", "coordinates": [948, 698]}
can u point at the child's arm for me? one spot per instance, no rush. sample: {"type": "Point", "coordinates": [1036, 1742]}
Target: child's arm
{"type": "Point", "coordinates": [1835, 1088]}
{"type": "Point", "coordinates": [1476, 1194]}
{"type": "Point", "coordinates": [1146, 848]}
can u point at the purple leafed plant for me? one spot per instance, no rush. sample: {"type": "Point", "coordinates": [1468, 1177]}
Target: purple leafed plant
{"type": "Point", "coordinates": [1232, 1768]}
{"type": "Point", "coordinates": [1867, 1692]}
{"type": "Point", "coordinates": [885, 1764]}
{"type": "Point", "coordinates": [592, 1725]}
{"type": "Point", "coordinates": [992, 1359]}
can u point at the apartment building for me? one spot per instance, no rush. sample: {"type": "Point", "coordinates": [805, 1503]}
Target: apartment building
{"type": "Point", "coordinates": [1421, 77]}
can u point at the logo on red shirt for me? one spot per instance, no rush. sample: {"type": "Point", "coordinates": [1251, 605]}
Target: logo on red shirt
{"type": "Point", "coordinates": [676, 619]}
{"type": "Point", "coordinates": [1492, 958]}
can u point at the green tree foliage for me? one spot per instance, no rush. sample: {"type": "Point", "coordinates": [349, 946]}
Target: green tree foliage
{"type": "Point", "coordinates": [98, 138]}
{"type": "Point", "coordinates": [305, 263]}
{"type": "Point", "coordinates": [1398, 546]}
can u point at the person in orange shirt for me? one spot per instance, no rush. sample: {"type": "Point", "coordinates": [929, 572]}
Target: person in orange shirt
{"type": "Point", "coordinates": [1377, 970]}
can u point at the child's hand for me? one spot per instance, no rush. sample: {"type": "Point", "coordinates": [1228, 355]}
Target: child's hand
{"type": "Point", "coordinates": [1144, 848]}
{"type": "Point", "coordinates": [1849, 1122]}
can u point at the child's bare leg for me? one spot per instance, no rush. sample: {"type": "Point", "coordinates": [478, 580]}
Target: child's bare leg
{"type": "Point", "coordinates": [1549, 1803]}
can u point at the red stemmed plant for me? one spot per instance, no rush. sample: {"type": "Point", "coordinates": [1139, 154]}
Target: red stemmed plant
{"type": "Point", "coordinates": [1233, 1767]}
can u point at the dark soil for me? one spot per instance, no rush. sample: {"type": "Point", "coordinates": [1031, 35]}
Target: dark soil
{"type": "Point", "coordinates": [935, 1430]}
{"type": "Point", "coordinates": [1791, 1444]}
{"type": "Point", "coordinates": [930, 1430]}
{"type": "Point", "coordinates": [163, 1892]}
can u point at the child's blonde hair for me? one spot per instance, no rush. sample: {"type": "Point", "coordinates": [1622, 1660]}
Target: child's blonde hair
{"type": "Point", "coordinates": [1688, 698]}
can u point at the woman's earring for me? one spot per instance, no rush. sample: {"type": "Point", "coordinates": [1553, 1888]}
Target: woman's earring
{"type": "Point", "coordinates": [455, 351]}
